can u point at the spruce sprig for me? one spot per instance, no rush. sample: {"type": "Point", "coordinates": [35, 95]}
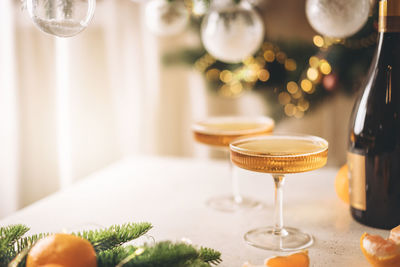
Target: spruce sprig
{"type": "Point", "coordinates": [110, 251]}
{"type": "Point", "coordinates": [115, 235]}
{"type": "Point", "coordinates": [9, 236]}
{"type": "Point", "coordinates": [162, 254]}
{"type": "Point", "coordinates": [210, 255]}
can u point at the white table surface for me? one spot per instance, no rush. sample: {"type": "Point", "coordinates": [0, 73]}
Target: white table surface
{"type": "Point", "coordinates": [171, 194]}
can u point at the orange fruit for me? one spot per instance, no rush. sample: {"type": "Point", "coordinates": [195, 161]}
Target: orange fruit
{"type": "Point", "coordinates": [62, 250]}
{"type": "Point", "coordinates": [380, 252]}
{"type": "Point", "coordinates": [395, 235]}
{"type": "Point", "coordinates": [342, 184]}
{"type": "Point", "coordinates": [299, 259]}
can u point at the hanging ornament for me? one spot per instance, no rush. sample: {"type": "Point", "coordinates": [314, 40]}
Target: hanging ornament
{"type": "Point", "coordinates": [337, 18]}
{"type": "Point", "coordinates": [62, 18]}
{"type": "Point", "coordinates": [166, 18]}
{"type": "Point", "coordinates": [232, 32]}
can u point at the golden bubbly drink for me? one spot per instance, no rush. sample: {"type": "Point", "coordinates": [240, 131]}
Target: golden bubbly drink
{"type": "Point", "coordinates": [221, 131]}
{"type": "Point", "coordinates": [280, 154]}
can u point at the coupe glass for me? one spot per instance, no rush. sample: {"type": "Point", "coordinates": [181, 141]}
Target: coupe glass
{"type": "Point", "coordinates": [279, 155]}
{"type": "Point", "coordinates": [218, 132]}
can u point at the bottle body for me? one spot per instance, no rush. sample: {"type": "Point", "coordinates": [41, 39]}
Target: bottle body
{"type": "Point", "coordinates": [374, 140]}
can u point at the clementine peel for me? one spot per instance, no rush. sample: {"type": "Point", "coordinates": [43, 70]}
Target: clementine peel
{"type": "Point", "coordinates": [62, 250]}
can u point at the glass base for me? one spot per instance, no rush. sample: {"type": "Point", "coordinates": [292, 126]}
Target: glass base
{"type": "Point", "coordinates": [231, 204]}
{"type": "Point", "coordinates": [289, 239]}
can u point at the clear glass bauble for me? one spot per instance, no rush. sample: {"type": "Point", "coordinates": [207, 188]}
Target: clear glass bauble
{"type": "Point", "coordinates": [232, 32]}
{"type": "Point", "coordinates": [166, 18]}
{"type": "Point", "coordinates": [62, 18]}
{"type": "Point", "coordinates": [337, 18]}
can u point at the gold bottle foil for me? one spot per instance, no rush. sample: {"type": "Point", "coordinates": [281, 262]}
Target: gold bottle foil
{"type": "Point", "coordinates": [357, 180]}
{"type": "Point", "coordinates": [389, 16]}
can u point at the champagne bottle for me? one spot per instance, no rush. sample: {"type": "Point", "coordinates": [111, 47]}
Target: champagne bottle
{"type": "Point", "coordinates": [374, 142]}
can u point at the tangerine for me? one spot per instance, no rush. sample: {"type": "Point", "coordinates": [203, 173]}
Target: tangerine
{"type": "Point", "coordinates": [380, 252]}
{"type": "Point", "coordinates": [62, 250]}
{"type": "Point", "coordinates": [395, 235]}
{"type": "Point", "coordinates": [299, 259]}
{"type": "Point", "coordinates": [342, 184]}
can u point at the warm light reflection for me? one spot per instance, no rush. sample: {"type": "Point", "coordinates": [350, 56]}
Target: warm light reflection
{"type": "Point", "coordinates": [318, 41]}
{"type": "Point", "coordinates": [269, 56]}
{"type": "Point", "coordinates": [281, 57]}
{"type": "Point", "coordinates": [297, 95]}
{"type": "Point", "coordinates": [236, 88]}
{"type": "Point", "coordinates": [325, 67]}
{"type": "Point", "coordinates": [284, 98]}
{"type": "Point", "coordinates": [306, 85]}
{"type": "Point", "coordinates": [290, 64]}
{"type": "Point", "coordinates": [303, 105]}
{"type": "Point", "coordinates": [290, 110]}
{"type": "Point", "coordinates": [212, 74]}
{"type": "Point", "coordinates": [312, 74]}
{"type": "Point", "coordinates": [263, 75]}
{"type": "Point", "coordinates": [292, 87]}
{"type": "Point", "coordinates": [226, 76]}
{"type": "Point", "coordinates": [314, 62]}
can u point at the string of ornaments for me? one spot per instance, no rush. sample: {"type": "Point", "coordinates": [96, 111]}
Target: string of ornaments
{"type": "Point", "coordinates": [237, 55]}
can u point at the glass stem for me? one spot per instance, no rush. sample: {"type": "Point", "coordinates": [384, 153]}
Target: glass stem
{"type": "Point", "coordinates": [235, 184]}
{"type": "Point", "coordinates": [279, 180]}
{"type": "Point", "coordinates": [234, 180]}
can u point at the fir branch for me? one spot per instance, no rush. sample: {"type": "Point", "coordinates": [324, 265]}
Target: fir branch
{"type": "Point", "coordinates": [115, 235]}
{"type": "Point", "coordinates": [107, 242]}
{"type": "Point", "coordinates": [9, 236]}
{"type": "Point", "coordinates": [163, 254]}
{"type": "Point", "coordinates": [23, 246]}
{"type": "Point", "coordinates": [210, 255]}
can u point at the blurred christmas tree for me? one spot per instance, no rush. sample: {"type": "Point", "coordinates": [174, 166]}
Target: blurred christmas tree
{"type": "Point", "coordinates": [293, 76]}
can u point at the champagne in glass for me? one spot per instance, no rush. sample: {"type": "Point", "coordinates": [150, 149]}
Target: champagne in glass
{"type": "Point", "coordinates": [218, 132]}
{"type": "Point", "coordinates": [279, 155]}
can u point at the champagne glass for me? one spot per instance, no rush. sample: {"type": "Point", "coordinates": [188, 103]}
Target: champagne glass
{"type": "Point", "coordinates": [218, 132]}
{"type": "Point", "coordinates": [279, 155]}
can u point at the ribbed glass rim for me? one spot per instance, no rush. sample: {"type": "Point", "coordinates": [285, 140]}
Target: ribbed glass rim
{"type": "Point", "coordinates": [266, 124]}
{"type": "Point", "coordinates": [234, 144]}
